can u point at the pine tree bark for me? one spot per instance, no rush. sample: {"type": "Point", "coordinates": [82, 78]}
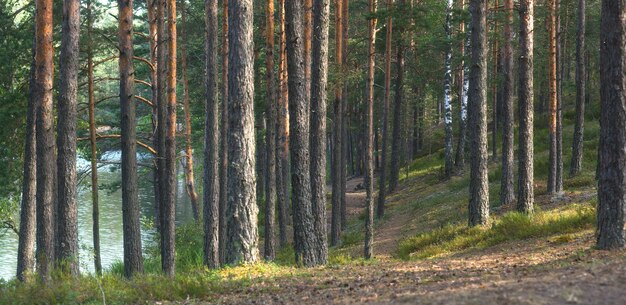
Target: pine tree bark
{"type": "Point", "coordinates": [477, 117]}
{"type": "Point", "coordinates": [28, 207]}
{"type": "Point", "coordinates": [161, 105]}
{"type": "Point", "coordinates": [345, 120]}
{"type": "Point", "coordinates": [335, 223]}
{"type": "Point", "coordinates": [560, 42]}
{"type": "Point", "coordinates": [447, 94]}
{"type": "Point", "coordinates": [612, 156]}
{"type": "Point", "coordinates": [95, 209]}
{"type": "Point", "coordinates": [211, 198]}
{"type": "Point", "coordinates": [494, 87]}
{"type": "Point", "coordinates": [282, 135]}
{"type": "Point", "coordinates": [133, 261]}
{"type": "Point", "coordinates": [525, 188]}
{"type": "Point", "coordinates": [67, 218]}
{"type": "Point", "coordinates": [168, 208]}
{"type": "Point", "coordinates": [552, 69]}
{"type": "Point", "coordinates": [242, 235]}
{"type": "Point", "coordinates": [368, 250]}
{"type": "Point", "coordinates": [305, 239]}
{"type": "Point", "coordinates": [190, 183]}
{"type": "Point", "coordinates": [223, 176]}
{"type": "Point", "coordinates": [380, 211]}
{"type": "Point", "coordinates": [394, 172]}
{"type": "Point", "coordinates": [319, 77]}
{"type": "Point", "coordinates": [308, 32]}
{"type": "Point", "coordinates": [579, 128]}
{"type": "Point", "coordinates": [270, 137]}
{"type": "Point", "coordinates": [507, 190]}
{"type": "Point", "coordinates": [45, 137]}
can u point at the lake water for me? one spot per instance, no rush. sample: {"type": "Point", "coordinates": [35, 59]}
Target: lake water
{"type": "Point", "coordinates": [111, 243]}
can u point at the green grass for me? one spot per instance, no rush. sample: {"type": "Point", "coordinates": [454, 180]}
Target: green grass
{"type": "Point", "coordinates": [511, 226]}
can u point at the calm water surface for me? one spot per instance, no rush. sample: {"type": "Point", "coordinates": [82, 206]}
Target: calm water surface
{"type": "Point", "coordinates": [111, 243]}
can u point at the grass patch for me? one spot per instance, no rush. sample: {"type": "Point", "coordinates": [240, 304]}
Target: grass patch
{"type": "Point", "coordinates": [510, 226]}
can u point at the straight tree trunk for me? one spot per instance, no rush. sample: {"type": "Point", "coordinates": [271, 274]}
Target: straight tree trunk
{"type": "Point", "coordinates": [552, 70]}
{"type": "Point", "coordinates": [577, 145]}
{"type": "Point", "coordinates": [161, 105]}
{"type": "Point", "coordinates": [335, 226]}
{"type": "Point", "coordinates": [308, 31]}
{"type": "Point", "coordinates": [168, 211]}
{"type": "Point", "coordinates": [42, 91]}
{"type": "Point", "coordinates": [612, 156]}
{"type": "Point", "coordinates": [223, 176]}
{"type": "Point", "coordinates": [133, 261]}
{"type": "Point", "coordinates": [242, 235]}
{"type": "Point", "coordinates": [494, 86]}
{"type": "Point", "coordinates": [305, 239]}
{"type": "Point", "coordinates": [67, 218]}
{"type": "Point", "coordinates": [270, 137]}
{"type": "Point", "coordinates": [525, 188]}
{"type": "Point", "coordinates": [282, 135]}
{"type": "Point", "coordinates": [507, 190]}
{"type": "Point", "coordinates": [154, 79]}
{"type": "Point", "coordinates": [211, 198]}
{"type": "Point", "coordinates": [190, 183]}
{"type": "Point", "coordinates": [319, 74]}
{"type": "Point", "coordinates": [368, 250]}
{"type": "Point", "coordinates": [28, 207]}
{"type": "Point", "coordinates": [380, 211]}
{"type": "Point", "coordinates": [394, 172]}
{"type": "Point", "coordinates": [560, 45]}
{"type": "Point", "coordinates": [95, 210]}
{"type": "Point", "coordinates": [345, 120]}
{"type": "Point", "coordinates": [477, 117]}
{"type": "Point", "coordinates": [459, 160]}
{"type": "Point", "coordinates": [447, 94]}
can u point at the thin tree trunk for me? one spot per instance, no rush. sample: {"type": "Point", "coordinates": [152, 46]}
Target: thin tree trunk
{"type": "Point", "coordinates": [394, 172]}
{"type": "Point", "coordinates": [161, 111]}
{"type": "Point", "coordinates": [447, 93]}
{"type": "Point", "coordinates": [67, 218]}
{"type": "Point", "coordinates": [282, 136]}
{"type": "Point", "coordinates": [305, 239]}
{"type": "Point", "coordinates": [559, 100]}
{"type": "Point", "coordinates": [507, 189]}
{"type": "Point", "coordinates": [28, 208]}
{"type": "Point", "coordinates": [42, 91]}
{"type": "Point", "coordinates": [270, 137]}
{"type": "Point", "coordinates": [133, 261]}
{"type": "Point", "coordinates": [459, 160]}
{"type": "Point", "coordinates": [95, 212]}
{"type": "Point", "coordinates": [211, 198]}
{"type": "Point", "coordinates": [242, 234]}
{"type": "Point", "coordinates": [335, 226]}
{"type": "Point", "coordinates": [319, 74]}
{"type": "Point", "coordinates": [494, 87]}
{"type": "Point", "coordinates": [223, 176]}
{"type": "Point", "coordinates": [552, 81]}
{"type": "Point", "coordinates": [168, 224]}
{"type": "Point", "coordinates": [525, 188]}
{"type": "Point", "coordinates": [154, 77]}
{"type": "Point", "coordinates": [380, 211]}
{"type": "Point", "coordinates": [344, 113]}
{"type": "Point", "coordinates": [612, 156]}
{"type": "Point", "coordinates": [577, 145]}
{"type": "Point", "coordinates": [368, 250]}
{"type": "Point", "coordinates": [190, 182]}
{"type": "Point", "coordinates": [477, 118]}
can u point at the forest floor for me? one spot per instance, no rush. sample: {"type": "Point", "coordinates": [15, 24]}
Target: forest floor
{"type": "Point", "coordinates": [558, 269]}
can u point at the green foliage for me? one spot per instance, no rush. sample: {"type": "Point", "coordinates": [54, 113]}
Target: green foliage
{"type": "Point", "coordinates": [511, 226]}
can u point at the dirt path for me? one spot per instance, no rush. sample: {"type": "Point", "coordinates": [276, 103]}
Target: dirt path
{"type": "Point", "coordinates": [531, 272]}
